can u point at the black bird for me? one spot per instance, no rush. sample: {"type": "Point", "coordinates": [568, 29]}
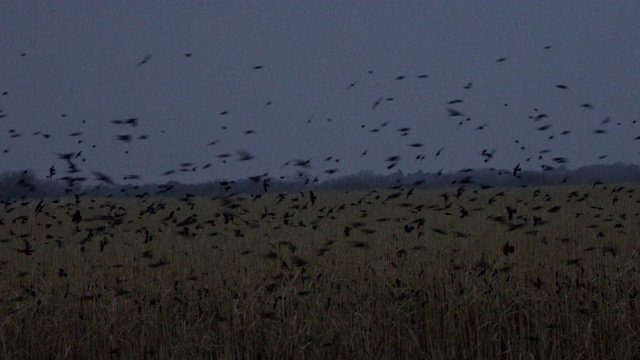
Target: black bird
{"type": "Point", "coordinates": [305, 164]}
{"type": "Point", "coordinates": [144, 61]}
{"type": "Point", "coordinates": [376, 103]}
{"type": "Point", "coordinates": [124, 138]}
{"type": "Point", "coordinates": [76, 218]}
{"type": "Point", "coordinates": [554, 209]}
{"type": "Point", "coordinates": [52, 171]}
{"type": "Point", "coordinates": [454, 112]}
{"type": "Point", "coordinates": [359, 244]}
{"type": "Point", "coordinates": [487, 154]}
{"type": "Point", "coordinates": [131, 121]}
{"type": "Point", "coordinates": [66, 156]}
{"type": "Point", "coordinates": [102, 177]}
{"type": "Point", "coordinates": [27, 250]}
{"type": "Point", "coordinates": [347, 231]}
{"type": "Point", "coordinates": [507, 249]}
{"type": "Point", "coordinates": [244, 155]}
{"type": "Point", "coordinates": [516, 170]}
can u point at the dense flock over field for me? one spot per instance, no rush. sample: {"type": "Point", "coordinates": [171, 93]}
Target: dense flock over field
{"type": "Point", "coordinates": [455, 273]}
{"type": "Point", "coordinates": [305, 180]}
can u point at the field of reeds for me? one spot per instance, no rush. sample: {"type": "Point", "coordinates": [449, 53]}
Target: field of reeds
{"type": "Point", "coordinates": [457, 273]}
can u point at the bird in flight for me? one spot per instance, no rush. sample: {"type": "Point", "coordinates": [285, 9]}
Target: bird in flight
{"type": "Point", "coordinates": [376, 103]}
{"type": "Point", "coordinates": [102, 177]}
{"type": "Point", "coordinates": [454, 112]}
{"type": "Point", "coordinates": [516, 170]}
{"type": "Point", "coordinates": [28, 249]}
{"type": "Point", "coordinates": [144, 61]}
{"type": "Point", "coordinates": [244, 155]}
{"type": "Point", "coordinates": [124, 138]}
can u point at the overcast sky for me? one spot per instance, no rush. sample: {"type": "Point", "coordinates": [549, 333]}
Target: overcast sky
{"type": "Point", "coordinates": [327, 82]}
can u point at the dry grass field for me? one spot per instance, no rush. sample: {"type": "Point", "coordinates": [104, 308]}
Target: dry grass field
{"type": "Point", "coordinates": [458, 273]}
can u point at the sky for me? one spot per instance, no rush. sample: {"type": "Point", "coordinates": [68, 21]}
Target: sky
{"type": "Point", "coordinates": [328, 88]}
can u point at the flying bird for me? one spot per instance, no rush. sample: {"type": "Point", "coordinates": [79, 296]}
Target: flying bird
{"type": "Point", "coordinates": [454, 112]}
{"type": "Point", "coordinates": [124, 138]}
{"type": "Point", "coordinates": [102, 177]}
{"type": "Point", "coordinates": [144, 61]}
{"type": "Point", "coordinates": [28, 249]}
{"type": "Point", "coordinates": [377, 103]}
{"type": "Point", "coordinates": [516, 170]}
{"type": "Point", "coordinates": [244, 155]}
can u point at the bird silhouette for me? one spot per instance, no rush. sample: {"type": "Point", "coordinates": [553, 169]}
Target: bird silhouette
{"type": "Point", "coordinates": [27, 249]}
{"type": "Point", "coordinates": [144, 60]}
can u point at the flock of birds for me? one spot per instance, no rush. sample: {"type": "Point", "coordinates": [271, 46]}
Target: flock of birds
{"type": "Point", "coordinates": [74, 174]}
{"type": "Point", "coordinates": [96, 224]}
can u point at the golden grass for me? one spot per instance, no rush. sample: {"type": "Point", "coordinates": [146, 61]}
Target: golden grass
{"type": "Point", "coordinates": [281, 279]}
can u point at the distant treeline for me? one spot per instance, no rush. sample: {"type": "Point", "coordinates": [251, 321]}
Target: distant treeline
{"type": "Point", "coordinates": [25, 184]}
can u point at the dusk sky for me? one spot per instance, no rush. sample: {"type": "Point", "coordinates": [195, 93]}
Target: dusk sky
{"type": "Point", "coordinates": [330, 82]}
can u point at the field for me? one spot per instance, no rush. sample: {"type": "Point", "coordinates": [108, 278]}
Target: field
{"type": "Point", "coordinates": [457, 273]}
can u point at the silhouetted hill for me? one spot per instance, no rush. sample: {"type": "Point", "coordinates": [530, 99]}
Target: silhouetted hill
{"type": "Point", "coordinates": [24, 184]}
